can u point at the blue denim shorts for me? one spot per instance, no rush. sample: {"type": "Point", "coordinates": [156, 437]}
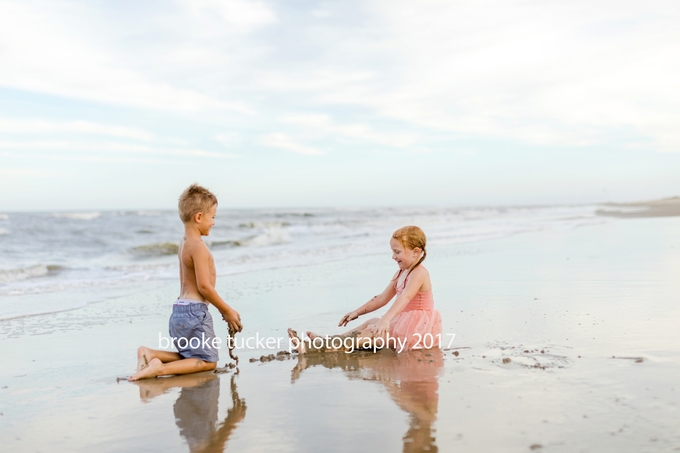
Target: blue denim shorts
{"type": "Point", "coordinates": [191, 329]}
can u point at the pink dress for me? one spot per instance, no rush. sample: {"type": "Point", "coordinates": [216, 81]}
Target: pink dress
{"type": "Point", "coordinates": [419, 323]}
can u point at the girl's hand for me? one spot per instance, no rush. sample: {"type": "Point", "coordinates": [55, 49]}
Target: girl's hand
{"type": "Point", "coordinates": [351, 316]}
{"type": "Point", "coordinates": [381, 328]}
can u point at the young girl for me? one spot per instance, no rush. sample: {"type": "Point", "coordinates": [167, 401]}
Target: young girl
{"type": "Point", "coordinates": [411, 318]}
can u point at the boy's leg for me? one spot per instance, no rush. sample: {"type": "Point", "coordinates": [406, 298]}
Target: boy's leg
{"type": "Point", "coordinates": [184, 366]}
{"type": "Point", "coordinates": [146, 355]}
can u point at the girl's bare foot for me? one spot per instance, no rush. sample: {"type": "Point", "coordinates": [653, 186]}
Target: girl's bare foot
{"type": "Point", "coordinates": [313, 335]}
{"type": "Point", "coordinates": [142, 358]}
{"type": "Point", "coordinates": [151, 371]}
{"type": "Point", "coordinates": [296, 341]}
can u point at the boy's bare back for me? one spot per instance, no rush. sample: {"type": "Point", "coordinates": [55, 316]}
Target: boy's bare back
{"type": "Point", "coordinates": [197, 267]}
{"type": "Point", "coordinates": [194, 253]}
{"type": "Point", "coordinates": [190, 317]}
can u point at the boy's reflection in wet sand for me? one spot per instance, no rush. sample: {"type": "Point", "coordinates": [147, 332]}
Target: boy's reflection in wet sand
{"type": "Point", "coordinates": [411, 378]}
{"type": "Point", "coordinates": [196, 408]}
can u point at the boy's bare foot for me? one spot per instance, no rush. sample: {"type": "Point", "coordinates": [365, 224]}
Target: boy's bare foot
{"type": "Point", "coordinates": [301, 365]}
{"type": "Point", "coordinates": [142, 358]}
{"type": "Point", "coordinates": [296, 340]}
{"type": "Point", "coordinates": [150, 371]}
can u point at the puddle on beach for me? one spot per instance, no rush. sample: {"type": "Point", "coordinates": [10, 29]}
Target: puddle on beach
{"type": "Point", "coordinates": [410, 379]}
{"type": "Point", "coordinates": [196, 408]}
{"type": "Point", "coordinates": [395, 397]}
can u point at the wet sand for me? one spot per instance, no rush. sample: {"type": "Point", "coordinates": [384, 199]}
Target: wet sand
{"type": "Point", "coordinates": [566, 340]}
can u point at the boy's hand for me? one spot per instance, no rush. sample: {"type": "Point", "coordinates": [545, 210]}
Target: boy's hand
{"type": "Point", "coordinates": [351, 316]}
{"type": "Point", "coordinates": [233, 320]}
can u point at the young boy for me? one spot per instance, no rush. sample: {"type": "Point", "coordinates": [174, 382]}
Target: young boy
{"type": "Point", "coordinates": [190, 317]}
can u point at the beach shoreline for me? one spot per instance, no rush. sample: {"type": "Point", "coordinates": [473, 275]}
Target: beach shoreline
{"type": "Point", "coordinates": [558, 333]}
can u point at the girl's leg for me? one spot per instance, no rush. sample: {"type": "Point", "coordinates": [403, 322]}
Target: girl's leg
{"type": "Point", "coordinates": [362, 337]}
{"type": "Point", "coordinates": [360, 328]}
{"type": "Point", "coordinates": [146, 355]}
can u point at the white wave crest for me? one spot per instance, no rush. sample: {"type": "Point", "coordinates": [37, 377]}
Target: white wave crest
{"type": "Point", "coordinates": [153, 250]}
{"type": "Point", "coordinates": [12, 275]}
{"type": "Point", "coordinates": [3, 232]}
{"type": "Point", "coordinates": [77, 215]}
{"type": "Point", "coordinates": [271, 236]}
{"type": "Point", "coordinates": [263, 224]}
{"type": "Point", "coordinates": [4, 217]}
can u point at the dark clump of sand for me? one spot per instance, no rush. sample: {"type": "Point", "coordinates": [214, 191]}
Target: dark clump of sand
{"type": "Point", "coordinates": [667, 207]}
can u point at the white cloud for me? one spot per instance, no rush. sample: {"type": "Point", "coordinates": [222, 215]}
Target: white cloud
{"type": "Point", "coordinates": [228, 139]}
{"type": "Point", "coordinates": [322, 124]}
{"type": "Point", "coordinates": [239, 15]}
{"type": "Point", "coordinates": [547, 73]}
{"type": "Point", "coordinates": [24, 171]}
{"type": "Point", "coordinates": [104, 147]}
{"type": "Point", "coordinates": [282, 141]}
{"type": "Point", "coordinates": [316, 79]}
{"type": "Point", "coordinates": [321, 13]}
{"type": "Point", "coordinates": [39, 53]}
{"type": "Point", "coordinates": [33, 126]}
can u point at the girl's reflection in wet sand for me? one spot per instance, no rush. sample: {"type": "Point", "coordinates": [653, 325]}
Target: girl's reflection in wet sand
{"type": "Point", "coordinates": [411, 378]}
{"type": "Point", "coordinates": [196, 408]}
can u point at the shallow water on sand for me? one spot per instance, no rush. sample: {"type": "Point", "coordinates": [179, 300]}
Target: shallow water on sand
{"type": "Point", "coordinates": [565, 341]}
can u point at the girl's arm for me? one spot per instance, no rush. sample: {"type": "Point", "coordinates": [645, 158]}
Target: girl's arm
{"type": "Point", "coordinates": [416, 279]}
{"type": "Point", "coordinates": [374, 304]}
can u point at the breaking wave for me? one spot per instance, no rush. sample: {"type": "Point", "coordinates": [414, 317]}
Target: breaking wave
{"type": "Point", "coordinates": [154, 250]}
{"type": "Point", "coordinates": [271, 236]}
{"type": "Point", "coordinates": [77, 215]}
{"type": "Point", "coordinates": [39, 270]}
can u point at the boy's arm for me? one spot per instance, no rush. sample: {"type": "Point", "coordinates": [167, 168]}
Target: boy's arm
{"type": "Point", "coordinates": [202, 269]}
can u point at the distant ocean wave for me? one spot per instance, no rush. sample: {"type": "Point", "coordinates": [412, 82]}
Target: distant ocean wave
{"type": "Point", "coordinates": [271, 236]}
{"type": "Point", "coordinates": [104, 252]}
{"type": "Point", "coordinates": [264, 224]}
{"type": "Point", "coordinates": [39, 270]}
{"type": "Point", "coordinates": [154, 250]}
{"type": "Point", "coordinates": [77, 215]}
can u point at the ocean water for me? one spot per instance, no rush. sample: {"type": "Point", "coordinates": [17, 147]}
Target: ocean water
{"type": "Point", "coordinates": [56, 261]}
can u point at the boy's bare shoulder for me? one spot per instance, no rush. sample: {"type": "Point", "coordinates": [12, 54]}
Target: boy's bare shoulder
{"type": "Point", "coordinates": [194, 246]}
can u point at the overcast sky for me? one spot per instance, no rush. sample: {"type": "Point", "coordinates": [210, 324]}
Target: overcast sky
{"type": "Point", "coordinates": [121, 104]}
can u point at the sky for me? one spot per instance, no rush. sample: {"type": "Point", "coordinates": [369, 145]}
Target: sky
{"type": "Point", "coordinates": [122, 104]}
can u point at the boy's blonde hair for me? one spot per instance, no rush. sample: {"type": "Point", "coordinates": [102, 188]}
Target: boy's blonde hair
{"type": "Point", "coordinates": [193, 200]}
{"type": "Point", "coordinates": [412, 237]}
